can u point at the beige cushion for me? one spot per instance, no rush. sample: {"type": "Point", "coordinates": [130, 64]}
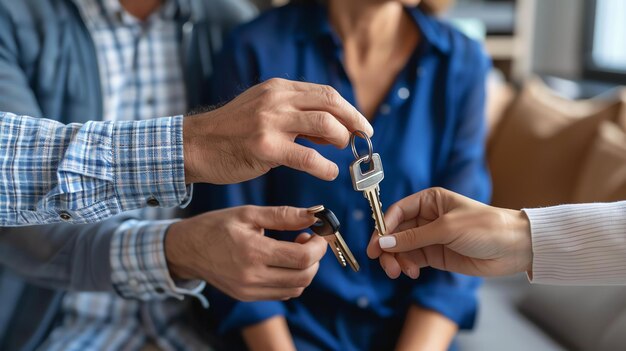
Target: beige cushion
{"type": "Point", "coordinates": [538, 150]}
{"type": "Point", "coordinates": [603, 177]}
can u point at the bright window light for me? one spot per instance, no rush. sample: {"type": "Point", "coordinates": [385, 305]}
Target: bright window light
{"type": "Point", "coordinates": [609, 35]}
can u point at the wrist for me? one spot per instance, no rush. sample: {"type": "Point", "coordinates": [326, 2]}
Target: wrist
{"type": "Point", "coordinates": [192, 148]}
{"type": "Point", "coordinates": [519, 226]}
{"type": "Point", "coordinates": [175, 254]}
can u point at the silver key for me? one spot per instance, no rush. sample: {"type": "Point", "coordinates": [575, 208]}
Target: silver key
{"type": "Point", "coordinates": [368, 183]}
{"type": "Point", "coordinates": [328, 227]}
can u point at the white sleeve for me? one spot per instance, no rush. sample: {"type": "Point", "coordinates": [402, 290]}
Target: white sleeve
{"type": "Point", "coordinates": [582, 244]}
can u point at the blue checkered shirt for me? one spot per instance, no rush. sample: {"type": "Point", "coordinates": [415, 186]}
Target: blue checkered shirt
{"type": "Point", "coordinates": [50, 172]}
{"type": "Point", "coordinates": [142, 77]}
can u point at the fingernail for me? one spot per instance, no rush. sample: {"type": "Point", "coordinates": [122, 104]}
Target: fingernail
{"type": "Point", "coordinates": [387, 242]}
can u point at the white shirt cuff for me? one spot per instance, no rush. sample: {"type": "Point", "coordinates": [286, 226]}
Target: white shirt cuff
{"type": "Point", "coordinates": [582, 244]}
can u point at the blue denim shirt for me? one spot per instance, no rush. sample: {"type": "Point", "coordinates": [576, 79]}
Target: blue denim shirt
{"type": "Point", "coordinates": [429, 131]}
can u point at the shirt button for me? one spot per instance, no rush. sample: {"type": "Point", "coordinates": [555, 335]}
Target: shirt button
{"type": "Point", "coordinates": [150, 100]}
{"type": "Point", "coordinates": [133, 283]}
{"type": "Point", "coordinates": [385, 109]}
{"type": "Point", "coordinates": [403, 93]}
{"type": "Point", "coordinates": [362, 302]}
{"type": "Point", "coordinates": [152, 202]}
{"type": "Point", "coordinates": [159, 290]}
{"type": "Point", "coordinates": [358, 215]}
{"type": "Point", "coordinates": [65, 216]}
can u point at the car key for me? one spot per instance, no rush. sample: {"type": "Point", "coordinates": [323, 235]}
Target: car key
{"type": "Point", "coordinates": [368, 182]}
{"type": "Point", "coordinates": [328, 228]}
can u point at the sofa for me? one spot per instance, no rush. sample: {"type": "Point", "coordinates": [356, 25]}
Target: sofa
{"type": "Point", "coordinates": [545, 149]}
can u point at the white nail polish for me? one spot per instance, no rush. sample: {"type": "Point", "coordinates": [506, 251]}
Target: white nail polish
{"type": "Point", "coordinates": [387, 242]}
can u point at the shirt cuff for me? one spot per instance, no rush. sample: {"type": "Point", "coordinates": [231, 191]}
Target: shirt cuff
{"type": "Point", "coordinates": [148, 163]}
{"type": "Point", "coordinates": [582, 244]}
{"type": "Point", "coordinates": [139, 267]}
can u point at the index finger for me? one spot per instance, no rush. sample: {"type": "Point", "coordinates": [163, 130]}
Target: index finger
{"type": "Point", "coordinates": [316, 97]}
{"type": "Point", "coordinates": [281, 217]}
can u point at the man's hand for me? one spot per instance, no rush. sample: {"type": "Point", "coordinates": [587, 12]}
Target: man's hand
{"type": "Point", "coordinates": [447, 231]}
{"type": "Point", "coordinates": [228, 249]}
{"type": "Point", "coordinates": [256, 132]}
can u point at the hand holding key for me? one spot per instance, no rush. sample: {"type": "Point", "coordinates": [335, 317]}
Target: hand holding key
{"type": "Point", "coordinates": [229, 250]}
{"type": "Point", "coordinates": [447, 231]}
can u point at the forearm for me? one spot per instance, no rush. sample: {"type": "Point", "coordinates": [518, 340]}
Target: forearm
{"type": "Point", "coordinates": [84, 173]}
{"type": "Point", "coordinates": [122, 255]}
{"type": "Point", "coordinates": [270, 335]}
{"type": "Point", "coordinates": [61, 256]}
{"type": "Point", "coordinates": [579, 244]}
{"type": "Point", "coordinates": [426, 330]}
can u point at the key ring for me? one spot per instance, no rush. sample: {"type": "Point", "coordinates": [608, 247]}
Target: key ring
{"type": "Point", "coordinates": [369, 145]}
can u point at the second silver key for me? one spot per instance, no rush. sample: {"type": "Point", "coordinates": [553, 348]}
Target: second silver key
{"type": "Point", "coordinates": [367, 182]}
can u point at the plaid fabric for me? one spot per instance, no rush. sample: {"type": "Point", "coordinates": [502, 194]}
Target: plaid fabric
{"type": "Point", "coordinates": [97, 322]}
{"type": "Point", "coordinates": [141, 73]}
{"type": "Point", "coordinates": [76, 173]}
{"type": "Point", "coordinates": [138, 264]}
{"type": "Point", "coordinates": [140, 63]}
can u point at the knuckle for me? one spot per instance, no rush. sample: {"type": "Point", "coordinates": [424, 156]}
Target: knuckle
{"type": "Point", "coordinates": [281, 213]}
{"type": "Point", "coordinates": [322, 123]}
{"type": "Point", "coordinates": [305, 278]}
{"type": "Point", "coordinates": [265, 146]}
{"type": "Point", "coordinates": [308, 159]}
{"type": "Point", "coordinates": [302, 282]}
{"type": "Point", "coordinates": [305, 260]}
{"type": "Point", "coordinates": [246, 212]}
{"type": "Point", "coordinates": [308, 278]}
{"type": "Point", "coordinates": [270, 94]}
{"type": "Point", "coordinates": [332, 96]}
{"type": "Point", "coordinates": [274, 82]}
{"type": "Point", "coordinates": [270, 84]}
{"type": "Point", "coordinates": [296, 292]}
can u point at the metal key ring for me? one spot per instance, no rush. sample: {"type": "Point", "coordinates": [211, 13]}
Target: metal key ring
{"type": "Point", "coordinates": [369, 145]}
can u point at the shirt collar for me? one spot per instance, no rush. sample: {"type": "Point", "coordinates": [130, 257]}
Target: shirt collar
{"type": "Point", "coordinates": [114, 11]}
{"type": "Point", "coordinates": [316, 24]}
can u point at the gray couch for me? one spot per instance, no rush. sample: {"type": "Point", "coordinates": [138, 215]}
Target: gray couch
{"type": "Point", "coordinates": [516, 315]}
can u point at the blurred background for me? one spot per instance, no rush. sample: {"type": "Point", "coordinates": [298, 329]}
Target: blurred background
{"type": "Point", "coordinates": [557, 118]}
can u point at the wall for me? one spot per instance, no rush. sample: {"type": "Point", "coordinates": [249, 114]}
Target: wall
{"type": "Point", "coordinates": [558, 37]}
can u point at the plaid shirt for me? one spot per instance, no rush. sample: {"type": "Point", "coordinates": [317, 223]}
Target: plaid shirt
{"type": "Point", "coordinates": [141, 71]}
{"type": "Point", "coordinates": [76, 173]}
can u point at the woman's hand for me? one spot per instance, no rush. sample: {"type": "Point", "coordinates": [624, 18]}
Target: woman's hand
{"type": "Point", "coordinates": [447, 231]}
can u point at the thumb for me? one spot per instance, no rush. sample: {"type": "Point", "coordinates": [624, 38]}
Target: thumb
{"type": "Point", "coordinates": [282, 217]}
{"type": "Point", "coordinates": [415, 238]}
